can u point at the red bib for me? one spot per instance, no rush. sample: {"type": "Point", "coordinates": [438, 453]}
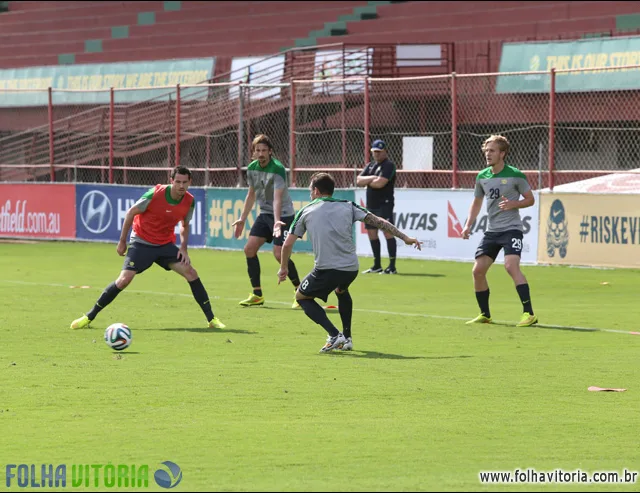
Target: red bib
{"type": "Point", "coordinates": [157, 224]}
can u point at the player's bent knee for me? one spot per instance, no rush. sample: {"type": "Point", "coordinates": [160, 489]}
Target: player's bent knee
{"type": "Point", "coordinates": [190, 274]}
{"type": "Point", "coordinates": [478, 271]}
{"type": "Point", "coordinates": [300, 296]}
{"type": "Point", "coordinates": [481, 266]}
{"type": "Point", "coordinates": [125, 278]}
{"type": "Point", "coordinates": [513, 268]}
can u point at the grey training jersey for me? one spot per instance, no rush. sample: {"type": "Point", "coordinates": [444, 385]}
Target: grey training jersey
{"type": "Point", "coordinates": [265, 181]}
{"type": "Point", "coordinates": [510, 183]}
{"type": "Point", "coordinates": [330, 225]}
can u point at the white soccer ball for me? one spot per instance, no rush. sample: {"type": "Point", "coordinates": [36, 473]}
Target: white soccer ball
{"type": "Point", "coordinates": [118, 336]}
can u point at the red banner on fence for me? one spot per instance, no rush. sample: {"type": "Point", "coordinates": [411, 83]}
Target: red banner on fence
{"type": "Point", "coordinates": [37, 211]}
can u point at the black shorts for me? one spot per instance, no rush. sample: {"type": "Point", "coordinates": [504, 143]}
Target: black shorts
{"type": "Point", "coordinates": [385, 211]}
{"type": "Point", "coordinates": [320, 283]}
{"type": "Point", "coordinates": [492, 243]}
{"type": "Point", "coordinates": [140, 256]}
{"type": "Point", "coordinates": [263, 228]}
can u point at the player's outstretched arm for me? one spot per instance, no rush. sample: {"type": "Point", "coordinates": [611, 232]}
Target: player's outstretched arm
{"type": "Point", "coordinates": [474, 210]}
{"type": "Point", "coordinates": [285, 254]}
{"type": "Point", "coordinates": [238, 225]}
{"type": "Point", "coordinates": [126, 226]}
{"type": "Point", "coordinates": [183, 256]}
{"type": "Point", "coordinates": [385, 225]}
{"type": "Point", "coordinates": [277, 209]}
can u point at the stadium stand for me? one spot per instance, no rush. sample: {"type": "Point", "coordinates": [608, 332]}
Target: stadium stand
{"type": "Point", "coordinates": [101, 32]}
{"type": "Point", "coordinates": [479, 28]}
{"type": "Point", "coordinates": [471, 35]}
{"type": "Point", "coordinates": [35, 33]}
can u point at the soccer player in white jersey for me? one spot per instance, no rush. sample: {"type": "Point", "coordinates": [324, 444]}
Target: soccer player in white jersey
{"type": "Point", "coordinates": [329, 223]}
{"type": "Point", "coordinates": [502, 185]}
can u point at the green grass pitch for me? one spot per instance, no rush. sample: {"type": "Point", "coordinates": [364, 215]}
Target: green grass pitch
{"type": "Point", "coordinates": [424, 402]}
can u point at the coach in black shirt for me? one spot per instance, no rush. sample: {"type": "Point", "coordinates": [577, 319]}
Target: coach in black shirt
{"type": "Point", "coordinates": [379, 177]}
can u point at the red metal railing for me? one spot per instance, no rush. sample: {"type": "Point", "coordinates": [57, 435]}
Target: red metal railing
{"type": "Point", "coordinates": [327, 124]}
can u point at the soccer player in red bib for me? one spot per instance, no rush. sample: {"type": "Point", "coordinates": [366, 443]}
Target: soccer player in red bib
{"type": "Point", "coordinates": [153, 240]}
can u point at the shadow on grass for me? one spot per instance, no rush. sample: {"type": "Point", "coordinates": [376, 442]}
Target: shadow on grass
{"type": "Point", "coordinates": [548, 327]}
{"type": "Point", "coordinates": [373, 355]}
{"type": "Point", "coordinates": [207, 330]}
{"type": "Point", "coordinates": [378, 355]}
{"type": "Point", "coordinates": [419, 275]}
{"type": "Point", "coordinates": [560, 327]}
{"type": "Point", "coordinates": [265, 307]}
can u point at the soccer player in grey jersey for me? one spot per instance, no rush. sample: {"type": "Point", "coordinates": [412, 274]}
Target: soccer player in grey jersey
{"type": "Point", "coordinates": [502, 185]}
{"type": "Point", "coordinates": [329, 223]}
{"type": "Point", "coordinates": [267, 181]}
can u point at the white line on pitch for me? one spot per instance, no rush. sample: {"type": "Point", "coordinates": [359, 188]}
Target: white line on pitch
{"type": "Point", "coordinates": [381, 312]}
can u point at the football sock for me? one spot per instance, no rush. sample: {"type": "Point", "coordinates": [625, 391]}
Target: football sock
{"type": "Point", "coordinates": [392, 248]}
{"type": "Point", "coordinates": [293, 273]}
{"type": "Point", "coordinates": [523, 292]}
{"type": "Point", "coordinates": [108, 295]}
{"type": "Point", "coordinates": [316, 313]}
{"type": "Point", "coordinates": [253, 265]}
{"type": "Point", "coordinates": [375, 247]}
{"type": "Point", "coordinates": [345, 307]}
{"type": "Point", "coordinates": [202, 298]}
{"type": "Point", "coordinates": [483, 302]}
